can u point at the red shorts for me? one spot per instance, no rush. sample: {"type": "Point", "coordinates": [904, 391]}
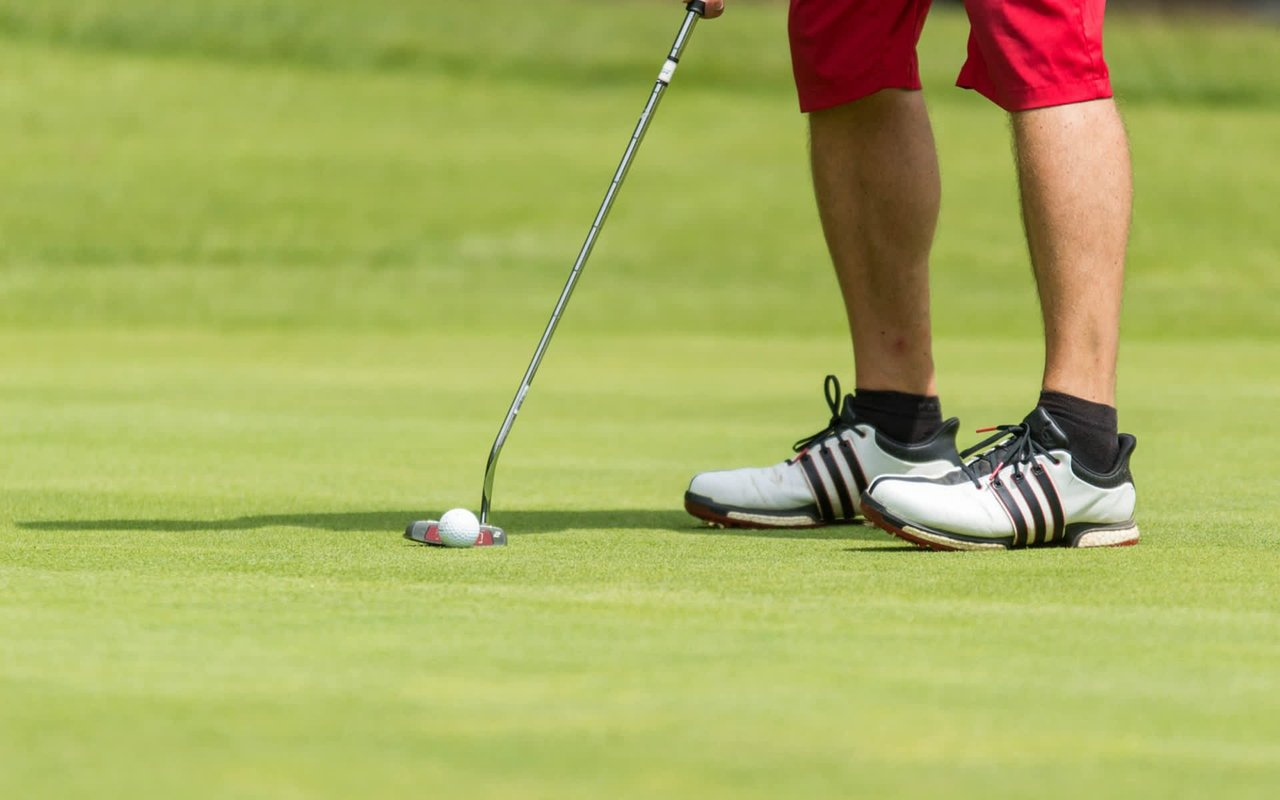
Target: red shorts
{"type": "Point", "coordinates": [1022, 53]}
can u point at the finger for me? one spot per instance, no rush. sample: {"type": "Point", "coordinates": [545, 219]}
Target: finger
{"type": "Point", "coordinates": [714, 8]}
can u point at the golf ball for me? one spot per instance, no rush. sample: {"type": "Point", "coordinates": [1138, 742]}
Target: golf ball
{"type": "Point", "coordinates": [459, 528]}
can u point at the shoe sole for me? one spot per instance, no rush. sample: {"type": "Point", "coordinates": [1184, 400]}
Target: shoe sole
{"type": "Point", "coordinates": [1125, 535]}
{"type": "Point", "coordinates": [731, 517]}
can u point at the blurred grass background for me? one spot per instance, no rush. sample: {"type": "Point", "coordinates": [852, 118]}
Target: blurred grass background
{"type": "Point", "coordinates": [424, 149]}
{"type": "Point", "coordinates": [269, 272]}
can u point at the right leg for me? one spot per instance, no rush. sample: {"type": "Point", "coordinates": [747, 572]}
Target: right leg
{"type": "Point", "coordinates": [876, 178]}
{"type": "Point", "coordinates": [875, 173]}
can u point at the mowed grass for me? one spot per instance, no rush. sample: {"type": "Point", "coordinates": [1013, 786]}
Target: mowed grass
{"type": "Point", "coordinates": [269, 274]}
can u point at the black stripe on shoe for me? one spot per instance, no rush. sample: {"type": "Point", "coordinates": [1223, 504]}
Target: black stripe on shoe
{"type": "Point", "coordinates": [1051, 497]}
{"type": "Point", "coordinates": [846, 502]}
{"type": "Point", "coordinates": [816, 484]}
{"type": "Point", "coordinates": [1015, 513]}
{"type": "Point", "coordinates": [1033, 504]}
{"type": "Point", "coordinates": [855, 468]}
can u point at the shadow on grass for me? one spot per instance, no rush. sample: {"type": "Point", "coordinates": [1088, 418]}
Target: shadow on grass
{"type": "Point", "coordinates": [514, 522]}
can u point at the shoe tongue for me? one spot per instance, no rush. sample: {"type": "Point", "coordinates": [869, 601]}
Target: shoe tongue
{"type": "Point", "coordinates": [1044, 430]}
{"type": "Point", "coordinates": [847, 413]}
{"type": "Point", "coordinates": [1040, 426]}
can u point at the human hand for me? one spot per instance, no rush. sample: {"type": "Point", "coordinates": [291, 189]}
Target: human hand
{"type": "Point", "coordinates": [714, 8]}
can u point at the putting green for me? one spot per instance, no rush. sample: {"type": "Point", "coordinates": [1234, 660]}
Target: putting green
{"type": "Point", "coordinates": [269, 276]}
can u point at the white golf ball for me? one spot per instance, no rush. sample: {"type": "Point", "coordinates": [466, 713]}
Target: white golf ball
{"type": "Point", "coordinates": [459, 528]}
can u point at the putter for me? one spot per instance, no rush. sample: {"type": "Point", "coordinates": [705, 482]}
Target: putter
{"type": "Point", "coordinates": [427, 531]}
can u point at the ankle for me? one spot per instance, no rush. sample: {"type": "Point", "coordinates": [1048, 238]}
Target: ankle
{"type": "Point", "coordinates": [901, 416]}
{"type": "Point", "coordinates": [1091, 428]}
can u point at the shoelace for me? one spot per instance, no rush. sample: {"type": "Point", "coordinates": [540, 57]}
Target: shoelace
{"type": "Point", "coordinates": [830, 388]}
{"type": "Point", "coordinates": [1022, 448]}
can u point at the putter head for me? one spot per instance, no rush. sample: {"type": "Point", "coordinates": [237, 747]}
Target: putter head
{"type": "Point", "coordinates": [426, 531]}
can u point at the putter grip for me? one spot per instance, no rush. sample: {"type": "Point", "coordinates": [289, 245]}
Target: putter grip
{"type": "Point", "coordinates": [698, 7]}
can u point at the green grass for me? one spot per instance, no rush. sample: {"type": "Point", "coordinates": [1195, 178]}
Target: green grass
{"type": "Point", "coordinates": [269, 273]}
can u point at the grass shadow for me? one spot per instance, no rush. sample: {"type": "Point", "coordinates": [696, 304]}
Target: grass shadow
{"type": "Point", "coordinates": [377, 521]}
{"type": "Point", "coordinates": [515, 522]}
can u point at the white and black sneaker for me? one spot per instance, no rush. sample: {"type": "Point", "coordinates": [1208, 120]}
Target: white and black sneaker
{"type": "Point", "coordinates": [1025, 490]}
{"type": "Point", "coordinates": [822, 483]}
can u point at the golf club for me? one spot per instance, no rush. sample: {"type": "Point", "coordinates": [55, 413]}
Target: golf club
{"type": "Point", "coordinates": [427, 531]}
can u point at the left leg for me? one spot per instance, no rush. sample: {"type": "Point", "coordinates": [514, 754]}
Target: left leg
{"type": "Point", "coordinates": [1061, 476]}
{"type": "Point", "coordinates": [1074, 174]}
{"type": "Point", "coordinates": [1043, 63]}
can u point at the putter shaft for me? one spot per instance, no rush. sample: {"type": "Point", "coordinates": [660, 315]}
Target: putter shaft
{"type": "Point", "coordinates": [694, 11]}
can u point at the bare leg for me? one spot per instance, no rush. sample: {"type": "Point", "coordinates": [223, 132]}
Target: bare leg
{"type": "Point", "coordinates": [1077, 188]}
{"type": "Point", "coordinates": [875, 173]}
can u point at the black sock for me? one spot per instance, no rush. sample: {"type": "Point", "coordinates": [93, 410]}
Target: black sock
{"type": "Point", "coordinates": [1090, 427]}
{"type": "Point", "coordinates": [903, 417]}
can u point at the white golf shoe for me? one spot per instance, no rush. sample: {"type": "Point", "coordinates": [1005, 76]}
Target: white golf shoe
{"type": "Point", "coordinates": [1024, 491]}
{"type": "Point", "coordinates": [821, 484]}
